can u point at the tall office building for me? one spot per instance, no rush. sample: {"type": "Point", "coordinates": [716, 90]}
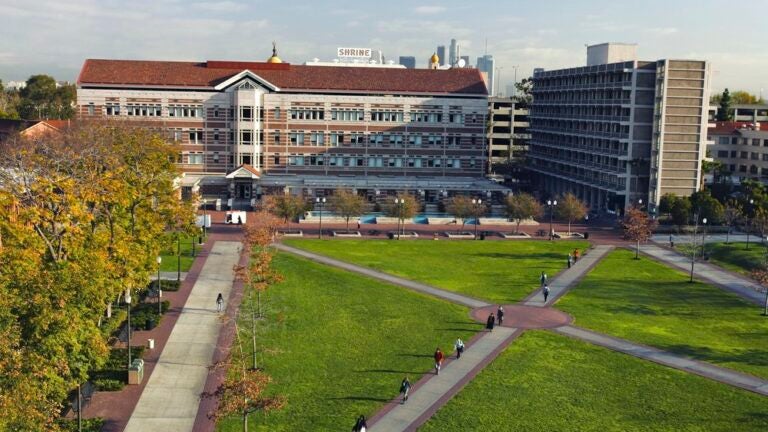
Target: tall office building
{"type": "Point", "coordinates": [408, 61]}
{"type": "Point", "coordinates": [441, 54]}
{"type": "Point", "coordinates": [453, 54]}
{"type": "Point", "coordinates": [466, 61]}
{"type": "Point", "coordinates": [620, 130]}
{"type": "Point", "coordinates": [487, 65]}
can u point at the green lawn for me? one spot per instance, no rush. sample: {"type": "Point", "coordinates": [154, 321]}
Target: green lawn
{"type": "Point", "coordinates": [497, 271]}
{"type": "Point", "coordinates": [735, 257]}
{"type": "Point", "coordinates": [170, 261]}
{"type": "Point", "coordinates": [337, 344]}
{"type": "Point", "coordinates": [647, 302]}
{"type": "Point", "coordinates": [546, 382]}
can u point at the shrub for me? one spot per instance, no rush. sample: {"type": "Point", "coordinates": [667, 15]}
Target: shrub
{"type": "Point", "coordinates": [165, 285]}
{"type": "Point", "coordinates": [89, 425]}
{"type": "Point", "coordinates": [109, 384]}
{"type": "Point", "coordinates": [110, 326]}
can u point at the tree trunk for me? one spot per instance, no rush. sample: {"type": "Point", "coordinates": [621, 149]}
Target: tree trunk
{"type": "Point", "coordinates": [245, 422]}
{"type": "Point", "coordinates": [253, 337]}
{"type": "Point", "coordinates": [517, 228]}
{"type": "Point", "coordinates": [637, 250]}
{"type": "Point", "coordinates": [727, 233]}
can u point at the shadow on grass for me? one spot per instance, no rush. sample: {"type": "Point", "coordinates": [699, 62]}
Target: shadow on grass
{"type": "Point", "coordinates": [415, 355]}
{"type": "Point", "coordinates": [361, 398]}
{"type": "Point", "coordinates": [459, 329]}
{"type": "Point", "coordinates": [748, 356]}
{"type": "Point", "coordinates": [393, 371]}
{"type": "Point", "coordinates": [517, 256]}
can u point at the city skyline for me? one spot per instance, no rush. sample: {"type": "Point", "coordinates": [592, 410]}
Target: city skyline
{"type": "Point", "coordinates": [518, 34]}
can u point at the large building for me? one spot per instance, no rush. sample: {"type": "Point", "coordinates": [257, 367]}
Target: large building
{"type": "Point", "coordinates": [487, 65]}
{"type": "Point", "coordinates": [247, 128]}
{"type": "Point", "coordinates": [508, 136]}
{"type": "Point", "coordinates": [408, 61]}
{"type": "Point", "coordinates": [742, 148]}
{"type": "Point", "coordinates": [620, 129]}
{"type": "Point", "coordinates": [441, 54]}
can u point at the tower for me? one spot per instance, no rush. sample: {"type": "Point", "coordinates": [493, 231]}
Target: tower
{"type": "Point", "coordinates": [434, 61]}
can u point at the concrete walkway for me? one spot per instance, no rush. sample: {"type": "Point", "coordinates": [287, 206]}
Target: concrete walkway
{"type": "Point", "coordinates": [743, 287]}
{"type": "Point", "coordinates": [706, 370]}
{"type": "Point", "coordinates": [171, 397]}
{"type": "Point", "coordinates": [394, 280]}
{"type": "Point", "coordinates": [559, 285]}
{"type": "Point", "coordinates": [171, 275]}
{"type": "Point", "coordinates": [436, 390]}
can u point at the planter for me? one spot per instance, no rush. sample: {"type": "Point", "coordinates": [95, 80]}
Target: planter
{"type": "Point", "coordinates": [567, 236]}
{"type": "Point", "coordinates": [298, 233]}
{"type": "Point", "coordinates": [460, 235]}
{"type": "Point", "coordinates": [407, 234]}
{"type": "Point", "coordinates": [347, 234]}
{"type": "Point", "coordinates": [513, 235]}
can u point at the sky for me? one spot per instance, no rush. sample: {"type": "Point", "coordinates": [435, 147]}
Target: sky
{"type": "Point", "coordinates": [56, 36]}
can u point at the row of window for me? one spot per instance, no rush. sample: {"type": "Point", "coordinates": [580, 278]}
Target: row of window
{"type": "Point", "coordinates": [340, 138]}
{"type": "Point", "coordinates": [372, 162]}
{"type": "Point", "coordinates": [743, 155]}
{"type": "Point", "coordinates": [743, 141]}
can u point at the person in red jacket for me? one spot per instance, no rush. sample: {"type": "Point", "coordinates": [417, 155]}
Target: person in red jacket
{"type": "Point", "coordinates": [438, 360]}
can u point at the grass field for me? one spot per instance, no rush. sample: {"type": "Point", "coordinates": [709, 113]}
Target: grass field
{"type": "Point", "coordinates": [647, 302]}
{"type": "Point", "coordinates": [337, 345]}
{"type": "Point", "coordinates": [546, 382]}
{"type": "Point", "coordinates": [170, 261]}
{"type": "Point", "coordinates": [497, 271]}
{"type": "Point", "coordinates": [735, 256]}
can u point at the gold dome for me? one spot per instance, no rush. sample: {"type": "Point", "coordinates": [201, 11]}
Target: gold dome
{"type": "Point", "coordinates": [434, 58]}
{"type": "Point", "coordinates": [274, 58]}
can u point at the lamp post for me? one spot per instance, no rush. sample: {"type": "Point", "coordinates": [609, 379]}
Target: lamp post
{"type": "Point", "coordinates": [551, 204]}
{"type": "Point", "coordinates": [79, 408]}
{"type": "Point", "coordinates": [693, 246]}
{"type": "Point", "coordinates": [704, 238]}
{"type": "Point", "coordinates": [749, 219]}
{"type": "Point", "coordinates": [476, 203]}
{"type": "Point", "coordinates": [321, 203]}
{"type": "Point", "coordinates": [205, 215]}
{"type": "Point", "coordinates": [128, 303]}
{"type": "Point", "coordinates": [159, 291]}
{"type": "Point", "coordinates": [178, 259]}
{"type": "Point", "coordinates": [399, 202]}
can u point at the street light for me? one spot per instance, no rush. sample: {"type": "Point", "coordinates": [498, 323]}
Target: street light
{"type": "Point", "coordinates": [551, 204]}
{"type": "Point", "coordinates": [749, 224]}
{"type": "Point", "coordinates": [399, 202]}
{"type": "Point", "coordinates": [693, 248]}
{"type": "Point", "coordinates": [159, 291]}
{"type": "Point", "coordinates": [205, 215]}
{"type": "Point", "coordinates": [704, 238]}
{"type": "Point", "coordinates": [321, 203]}
{"type": "Point", "coordinates": [476, 203]}
{"type": "Point", "coordinates": [128, 302]}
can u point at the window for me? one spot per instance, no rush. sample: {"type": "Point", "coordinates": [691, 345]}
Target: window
{"type": "Point", "coordinates": [426, 117]}
{"type": "Point", "coordinates": [277, 137]}
{"type": "Point", "coordinates": [246, 137]}
{"type": "Point", "coordinates": [277, 113]}
{"type": "Point", "coordinates": [734, 153]}
{"type": "Point", "coordinates": [216, 112]}
{"type": "Point", "coordinates": [91, 109]}
{"type": "Point", "coordinates": [722, 153]}
{"type": "Point", "coordinates": [456, 118]}
{"type": "Point", "coordinates": [195, 158]}
{"type": "Point", "coordinates": [276, 159]}
{"type": "Point", "coordinates": [755, 156]}
{"type": "Point", "coordinates": [196, 137]}
{"type": "Point", "coordinates": [744, 155]}
{"type": "Point", "coordinates": [337, 138]}
{"type": "Point", "coordinates": [296, 160]}
{"type": "Point", "coordinates": [246, 113]}
{"type": "Point", "coordinates": [386, 116]}
{"type": "Point", "coordinates": [752, 169]}
{"type": "Point", "coordinates": [765, 157]}
{"type": "Point", "coordinates": [317, 139]}
{"type": "Point", "coordinates": [216, 136]}
{"type": "Point", "coordinates": [307, 114]}
{"type": "Point", "coordinates": [356, 138]}
{"type": "Point", "coordinates": [414, 140]}
{"type": "Point", "coordinates": [755, 142]}
{"type": "Point", "coordinates": [297, 138]}
{"type": "Point", "coordinates": [114, 110]}
{"type": "Point", "coordinates": [347, 115]}
{"type": "Point", "coordinates": [742, 168]}
{"type": "Point", "coordinates": [397, 140]}
{"type": "Point", "coordinates": [181, 111]}
{"type": "Point", "coordinates": [376, 139]}
{"type": "Point", "coordinates": [723, 140]}
{"type": "Point", "coordinates": [177, 135]}
{"type": "Point", "coordinates": [216, 157]}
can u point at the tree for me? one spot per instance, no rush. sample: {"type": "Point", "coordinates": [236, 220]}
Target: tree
{"type": "Point", "coordinates": [638, 227]}
{"type": "Point", "coordinates": [570, 208]}
{"type": "Point", "coordinates": [408, 209]}
{"type": "Point", "coordinates": [760, 222]}
{"type": "Point", "coordinates": [741, 97]}
{"type": "Point", "coordinates": [81, 217]}
{"type": "Point", "coordinates": [667, 202]}
{"type": "Point", "coordinates": [524, 92]}
{"type": "Point", "coordinates": [731, 214]}
{"type": "Point", "coordinates": [9, 103]}
{"type": "Point", "coordinates": [707, 207]}
{"type": "Point", "coordinates": [347, 204]}
{"type": "Point", "coordinates": [286, 207]}
{"type": "Point", "coordinates": [681, 211]}
{"type": "Point", "coordinates": [460, 207]}
{"type": "Point", "coordinates": [724, 110]}
{"type": "Point", "coordinates": [522, 206]}
{"type": "Point", "coordinates": [42, 99]}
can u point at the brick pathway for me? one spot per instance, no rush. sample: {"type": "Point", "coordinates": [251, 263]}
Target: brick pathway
{"type": "Point", "coordinates": [170, 400]}
{"type": "Point", "coordinates": [724, 279]}
{"type": "Point", "coordinates": [706, 370]}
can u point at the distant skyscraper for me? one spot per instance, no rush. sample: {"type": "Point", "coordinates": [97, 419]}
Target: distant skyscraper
{"type": "Point", "coordinates": [466, 61]}
{"type": "Point", "coordinates": [511, 90]}
{"type": "Point", "coordinates": [408, 61]}
{"type": "Point", "coordinates": [487, 64]}
{"type": "Point", "coordinates": [441, 54]}
{"type": "Point", "coordinates": [453, 53]}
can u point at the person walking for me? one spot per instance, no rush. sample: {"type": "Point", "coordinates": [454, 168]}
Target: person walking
{"type": "Point", "coordinates": [545, 291]}
{"type": "Point", "coordinates": [543, 279]}
{"type": "Point", "coordinates": [500, 315]}
{"type": "Point", "coordinates": [405, 387]}
{"type": "Point", "coordinates": [438, 360]}
{"type": "Point", "coordinates": [570, 260]}
{"type": "Point", "coordinates": [219, 302]}
{"type": "Point", "coordinates": [671, 241]}
{"type": "Point", "coordinates": [360, 425]}
{"type": "Point", "coordinates": [490, 323]}
{"type": "Point", "coordinates": [459, 348]}
{"type": "Point", "coordinates": [575, 255]}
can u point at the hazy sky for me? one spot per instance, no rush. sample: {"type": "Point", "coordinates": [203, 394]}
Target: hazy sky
{"type": "Point", "coordinates": [55, 36]}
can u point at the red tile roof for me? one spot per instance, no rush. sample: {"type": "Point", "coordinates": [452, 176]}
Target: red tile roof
{"type": "Point", "coordinates": [728, 127]}
{"type": "Point", "coordinates": [285, 76]}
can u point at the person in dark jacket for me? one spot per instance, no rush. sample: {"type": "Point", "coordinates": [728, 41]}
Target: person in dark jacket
{"type": "Point", "coordinates": [439, 356]}
{"type": "Point", "coordinates": [491, 322]}
{"type": "Point", "coordinates": [360, 425]}
{"type": "Point", "coordinates": [500, 315]}
{"type": "Point", "coordinates": [405, 387]}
